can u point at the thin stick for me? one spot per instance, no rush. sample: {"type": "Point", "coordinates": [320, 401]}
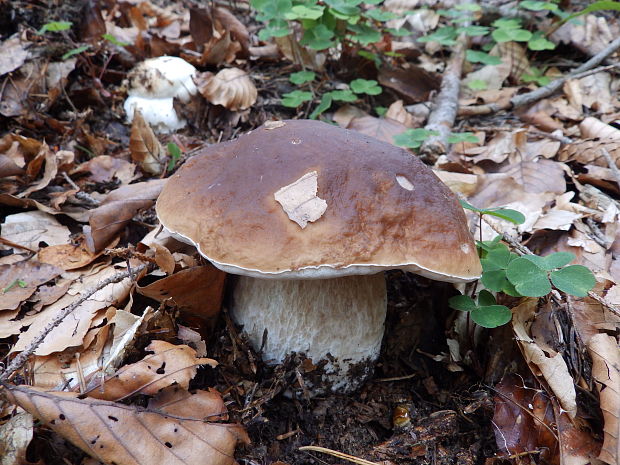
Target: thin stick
{"type": "Point", "coordinates": [21, 359]}
{"type": "Point", "coordinates": [612, 165]}
{"type": "Point", "coordinates": [340, 455]}
{"type": "Point", "coordinates": [443, 115]}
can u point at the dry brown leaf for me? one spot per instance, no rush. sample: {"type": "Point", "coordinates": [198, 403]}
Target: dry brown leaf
{"type": "Point", "coordinates": [413, 85]}
{"type": "Point", "coordinates": [461, 183]}
{"type": "Point", "coordinates": [231, 87]}
{"type": "Point", "coordinates": [346, 113]}
{"type": "Point", "coordinates": [69, 256]}
{"type": "Point", "coordinates": [53, 160]}
{"type": "Point", "coordinates": [168, 365]}
{"type": "Point", "coordinates": [128, 435]}
{"type": "Point", "coordinates": [603, 349]}
{"type": "Point", "coordinates": [30, 229]}
{"type": "Point", "coordinates": [300, 55]}
{"type": "Point", "coordinates": [591, 34]}
{"type": "Point", "coordinates": [14, 54]}
{"type": "Point", "coordinates": [546, 363]}
{"type": "Point", "coordinates": [518, 430]}
{"type": "Point", "coordinates": [380, 128]}
{"type": "Point", "coordinates": [513, 54]}
{"type": "Point", "coordinates": [538, 176]}
{"type": "Point", "coordinates": [118, 208]}
{"type": "Point", "coordinates": [592, 91]}
{"type": "Point", "coordinates": [163, 258]}
{"type": "Point", "coordinates": [104, 168]}
{"type": "Point", "coordinates": [144, 146]}
{"type": "Point", "coordinates": [198, 290]}
{"type": "Point", "coordinates": [595, 128]}
{"type": "Point", "coordinates": [299, 200]}
{"type": "Point", "coordinates": [9, 168]}
{"type": "Point", "coordinates": [15, 435]}
{"type": "Point", "coordinates": [589, 151]}
{"type": "Point", "coordinates": [71, 331]}
{"type": "Point", "coordinates": [20, 280]}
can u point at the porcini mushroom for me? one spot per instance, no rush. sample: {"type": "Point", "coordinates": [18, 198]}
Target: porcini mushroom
{"type": "Point", "coordinates": [309, 215]}
{"type": "Point", "coordinates": [153, 86]}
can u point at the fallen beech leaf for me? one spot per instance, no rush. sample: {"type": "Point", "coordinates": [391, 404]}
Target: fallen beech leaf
{"type": "Point", "coordinates": [380, 128]}
{"type": "Point", "coordinates": [198, 290]}
{"type": "Point", "coordinates": [163, 258]}
{"type": "Point", "coordinates": [9, 168]}
{"type": "Point", "coordinates": [603, 349]}
{"type": "Point", "coordinates": [514, 55]}
{"type": "Point", "coordinates": [20, 280]}
{"type": "Point", "coordinates": [118, 208]}
{"type": "Point", "coordinates": [70, 332]}
{"type": "Point", "coordinates": [346, 113]}
{"type": "Point", "coordinates": [69, 256]}
{"type": "Point", "coordinates": [413, 85]}
{"type": "Point", "coordinates": [128, 435]}
{"type": "Point", "coordinates": [144, 146]}
{"type": "Point", "coordinates": [523, 419]}
{"type": "Point", "coordinates": [13, 55]}
{"type": "Point", "coordinates": [231, 87]}
{"type": "Point", "coordinates": [538, 176]}
{"type": "Point", "coordinates": [31, 228]}
{"type": "Point", "coordinates": [168, 365]}
{"type": "Point", "coordinates": [546, 363]}
{"type": "Point", "coordinates": [104, 168]}
{"type": "Point", "coordinates": [15, 435]}
{"type": "Point", "coordinates": [299, 200]}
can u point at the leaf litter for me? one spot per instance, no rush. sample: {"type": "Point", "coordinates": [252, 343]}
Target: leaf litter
{"type": "Point", "coordinates": [77, 189]}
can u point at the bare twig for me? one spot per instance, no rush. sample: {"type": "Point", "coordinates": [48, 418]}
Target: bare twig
{"type": "Point", "coordinates": [586, 69]}
{"type": "Point", "coordinates": [340, 455]}
{"type": "Point", "coordinates": [80, 194]}
{"type": "Point", "coordinates": [612, 165]}
{"type": "Point", "coordinates": [21, 359]}
{"type": "Point", "coordinates": [443, 115]}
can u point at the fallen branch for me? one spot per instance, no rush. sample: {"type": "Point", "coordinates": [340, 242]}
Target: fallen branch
{"type": "Point", "coordinates": [586, 69]}
{"type": "Point", "coordinates": [442, 117]}
{"type": "Point", "coordinates": [20, 360]}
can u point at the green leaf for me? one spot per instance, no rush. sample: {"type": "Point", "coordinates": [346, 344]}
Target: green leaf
{"type": "Point", "coordinates": [301, 77]}
{"type": "Point", "coordinates": [370, 56]}
{"type": "Point", "coordinates": [343, 96]}
{"type": "Point", "coordinates": [552, 261]}
{"type": "Point", "coordinates": [413, 138]}
{"type": "Point", "coordinates": [511, 35]}
{"type": "Point", "coordinates": [272, 9]}
{"type": "Point", "coordinates": [528, 279]}
{"type": "Point", "coordinates": [507, 23]}
{"type": "Point", "coordinates": [507, 214]}
{"type": "Point", "coordinates": [477, 84]}
{"type": "Point", "coordinates": [319, 37]}
{"type": "Point", "coordinates": [55, 26]}
{"type": "Point", "coordinates": [275, 28]}
{"type": "Point", "coordinates": [380, 15]}
{"type": "Point", "coordinates": [326, 102]}
{"type": "Point", "coordinates": [539, 42]}
{"type": "Point", "coordinates": [473, 31]}
{"type": "Point", "coordinates": [596, 6]}
{"type": "Point", "coordinates": [444, 35]}
{"type": "Point", "coordinates": [175, 155]}
{"type": "Point", "coordinates": [463, 303]}
{"type": "Point", "coordinates": [364, 34]}
{"type": "Point", "coordinates": [400, 32]}
{"type": "Point", "coordinates": [468, 7]}
{"type": "Point", "coordinates": [491, 316]}
{"type": "Point", "coordinates": [474, 56]}
{"type": "Point", "coordinates": [346, 8]}
{"type": "Point", "coordinates": [75, 51]}
{"type": "Point", "coordinates": [305, 12]}
{"type": "Point", "coordinates": [296, 98]}
{"type": "Point", "coordinates": [112, 39]}
{"type": "Point", "coordinates": [576, 280]}
{"type": "Point", "coordinates": [485, 298]}
{"type": "Point", "coordinates": [537, 6]}
{"type": "Point", "coordinates": [459, 137]}
{"type": "Point", "coordinates": [365, 86]}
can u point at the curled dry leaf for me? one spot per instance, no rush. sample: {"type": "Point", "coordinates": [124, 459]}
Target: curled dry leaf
{"type": "Point", "coordinates": [128, 435]}
{"type": "Point", "coordinates": [144, 146]}
{"type": "Point", "coordinates": [71, 331]}
{"type": "Point", "coordinates": [198, 290]}
{"type": "Point", "coordinates": [231, 88]}
{"type": "Point", "coordinates": [380, 128]}
{"type": "Point", "coordinates": [299, 200]}
{"type": "Point", "coordinates": [118, 208]}
{"type": "Point", "coordinates": [20, 280]}
{"type": "Point", "coordinates": [546, 363]}
{"type": "Point", "coordinates": [168, 365]}
{"type": "Point", "coordinates": [69, 256]}
{"type": "Point", "coordinates": [15, 435]}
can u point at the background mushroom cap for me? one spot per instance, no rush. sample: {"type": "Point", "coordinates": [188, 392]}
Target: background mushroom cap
{"type": "Point", "coordinates": [385, 208]}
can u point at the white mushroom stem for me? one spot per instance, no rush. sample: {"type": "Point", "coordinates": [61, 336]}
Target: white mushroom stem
{"type": "Point", "coordinates": [343, 317]}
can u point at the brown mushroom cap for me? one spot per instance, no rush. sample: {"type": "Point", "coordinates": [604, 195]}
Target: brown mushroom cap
{"type": "Point", "coordinates": [385, 208]}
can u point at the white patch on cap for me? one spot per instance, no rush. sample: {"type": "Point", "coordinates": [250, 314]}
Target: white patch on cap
{"type": "Point", "coordinates": [465, 248]}
{"type": "Point", "coordinates": [299, 200]}
{"type": "Point", "coordinates": [404, 182]}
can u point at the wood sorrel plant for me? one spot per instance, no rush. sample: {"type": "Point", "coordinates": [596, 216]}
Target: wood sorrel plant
{"type": "Point", "coordinates": [504, 271]}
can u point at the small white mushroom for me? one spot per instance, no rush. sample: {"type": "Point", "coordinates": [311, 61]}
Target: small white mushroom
{"type": "Point", "coordinates": [153, 86]}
